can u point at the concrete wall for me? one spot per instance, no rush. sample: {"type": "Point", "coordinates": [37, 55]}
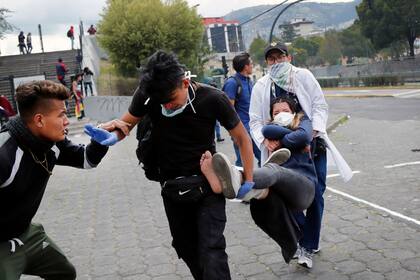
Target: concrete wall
{"type": "Point", "coordinates": [408, 69]}
{"type": "Point", "coordinates": [105, 108]}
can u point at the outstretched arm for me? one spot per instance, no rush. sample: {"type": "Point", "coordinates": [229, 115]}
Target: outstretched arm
{"type": "Point", "coordinates": [79, 156]}
{"type": "Point", "coordinates": [121, 126]}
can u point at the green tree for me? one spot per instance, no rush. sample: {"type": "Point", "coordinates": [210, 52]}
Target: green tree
{"type": "Point", "coordinates": [256, 50]}
{"type": "Point", "coordinates": [330, 49]}
{"type": "Point", "coordinates": [389, 21]}
{"type": "Point", "coordinates": [288, 32]}
{"type": "Point", "coordinates": [132, 30]}
{"type": "Point", "coordinates": [4, 24]}
{"type": "Point", "coordinates": [299, 56]}
{"type": "Point", "coordinates": [354, 44]}
{"type": "Point", "coordinates": [311, 44]}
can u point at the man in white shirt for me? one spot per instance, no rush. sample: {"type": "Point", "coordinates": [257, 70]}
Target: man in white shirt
{"type": "Point", "coordinates": [284, 79]}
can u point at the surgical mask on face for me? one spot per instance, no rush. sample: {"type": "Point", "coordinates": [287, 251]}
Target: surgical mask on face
{"type": "Point", "coordinates": [170, 112]}
{"type": "Point", "coordinates": [283, 118]}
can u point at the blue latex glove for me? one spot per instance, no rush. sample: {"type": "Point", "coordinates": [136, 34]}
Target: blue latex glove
{"type": "Point", "coordinates": [100, 135]}
{"type": "Point", "coordinates": [244, 189]}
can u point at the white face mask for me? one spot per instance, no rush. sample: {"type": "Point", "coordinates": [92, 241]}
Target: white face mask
{"type": "Point", "coordinates": [283, 118]}
{"type": "Point", "coordinates": [171, 113]}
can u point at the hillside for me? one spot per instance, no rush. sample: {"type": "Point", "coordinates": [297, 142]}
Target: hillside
{"type": "Point", "coordinates": [324, 15]}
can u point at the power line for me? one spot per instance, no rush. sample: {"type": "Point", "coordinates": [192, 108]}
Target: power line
{"type": "Point", "coordinates": [251, 19]}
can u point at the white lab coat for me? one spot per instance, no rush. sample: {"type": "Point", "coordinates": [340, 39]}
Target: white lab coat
{"type": "Point", "coordinates": [312, 101]}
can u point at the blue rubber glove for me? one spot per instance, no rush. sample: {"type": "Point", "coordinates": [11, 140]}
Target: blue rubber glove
{"type": "Point", "coordinates": [100, 135]}
{"type": "Point", "coordinates": [244, 189]}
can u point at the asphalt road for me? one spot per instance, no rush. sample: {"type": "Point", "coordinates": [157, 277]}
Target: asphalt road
{"type": "Point", "coordinates": [381, 132]}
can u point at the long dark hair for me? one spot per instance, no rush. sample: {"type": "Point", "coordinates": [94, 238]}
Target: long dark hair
{"type": "Point", "coordinates": [292, 104]}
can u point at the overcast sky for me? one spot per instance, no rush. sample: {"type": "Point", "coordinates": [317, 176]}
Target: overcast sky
{"type": "Point", "coordinates": [56, 16]}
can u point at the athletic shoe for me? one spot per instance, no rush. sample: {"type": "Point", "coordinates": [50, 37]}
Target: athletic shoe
{"type": "Point", "coordinates": [297, 253]}
{"type": "Point", "coordinates": [279, 156]}
{"type": "Point", "coordinates": [305, 258]}
{"type": "Point", "coordinates": [316, 251]}
{"type": "Point", "coordinates": [229, 176]}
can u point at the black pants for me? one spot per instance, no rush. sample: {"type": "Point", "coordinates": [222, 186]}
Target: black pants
{"type": "Point", "coordinates": [88, 84]}
{"type": "Point", "coordinates": [197, 232]}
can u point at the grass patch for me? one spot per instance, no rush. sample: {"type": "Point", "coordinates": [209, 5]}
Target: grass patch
{"type": "Point", "coordinates": [110, 83]}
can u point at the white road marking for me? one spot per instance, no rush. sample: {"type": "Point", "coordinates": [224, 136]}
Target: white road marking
{"type": "Point", "coordinates": [373, 205]}
{"type": "Point", "coordinates": [336, 174]}
{"type": "Point", "coordinates": [402, 164]}
{"type": "Point", "coordinates": [407, 94]}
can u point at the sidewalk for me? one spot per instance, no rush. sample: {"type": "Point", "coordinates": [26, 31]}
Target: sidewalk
{"type": "Point", "coordinates": [111, 224]}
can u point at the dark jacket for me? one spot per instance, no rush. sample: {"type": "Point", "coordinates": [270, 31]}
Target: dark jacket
{"type": "Point", "coordinates": [295, 141]}
{"type": "Point", "coordinates": [23, 180]}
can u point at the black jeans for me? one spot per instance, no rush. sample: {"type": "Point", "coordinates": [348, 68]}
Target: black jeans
{"type": "Point", "coordinates": [296, 190]}
{"type": "Point", "coordinates": [197, 232]}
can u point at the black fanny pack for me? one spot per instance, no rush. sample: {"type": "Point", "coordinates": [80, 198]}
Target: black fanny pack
{"type": "Point", "coordinates": [186, 189]}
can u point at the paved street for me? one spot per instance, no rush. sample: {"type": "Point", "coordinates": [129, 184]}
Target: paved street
{"type": "Point", "coordinates": [399, 93]}
{"type": "Point", "coordinates": [111, 223]}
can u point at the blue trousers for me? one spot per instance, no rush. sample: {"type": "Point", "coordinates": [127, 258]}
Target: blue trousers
{"type": "Point", "coordinates": [257, 154]}
{"type": "Point", "coordinates": [311, 224]}
{"type": "Point", "coordinates": [217, 130]}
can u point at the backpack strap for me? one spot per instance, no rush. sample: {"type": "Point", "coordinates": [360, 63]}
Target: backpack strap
{"type": "Point", "coordinates": [239, 87]}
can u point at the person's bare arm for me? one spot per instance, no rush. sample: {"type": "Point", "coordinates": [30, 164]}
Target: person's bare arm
{"type": "Point", "coordinates": [121, 126]}
{"type": "Point", "coordinates": [243, 141]}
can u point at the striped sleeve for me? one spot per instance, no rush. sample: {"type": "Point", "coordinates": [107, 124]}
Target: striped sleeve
{"type": "Point", "coordinates": [80, 156]}
{"type": "Point", "coordinates": [10, 158]}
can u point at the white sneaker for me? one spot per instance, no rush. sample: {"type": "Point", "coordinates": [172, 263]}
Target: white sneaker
{"type": "Point", "coordinates": [305, 258]}
{"type": "Point", "coordinates": [279, 156]}
{"type": "Point", "coordinates": [229, 176]}
{"type": "Point", "coordinates": [297, 253]}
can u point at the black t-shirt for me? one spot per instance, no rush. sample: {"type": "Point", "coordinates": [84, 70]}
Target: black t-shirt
{"type": "Point", "coordinates": [182, 139]}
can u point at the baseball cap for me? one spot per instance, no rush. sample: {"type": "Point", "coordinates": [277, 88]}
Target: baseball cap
{"type": "Point", "coordinates": [275, 46]}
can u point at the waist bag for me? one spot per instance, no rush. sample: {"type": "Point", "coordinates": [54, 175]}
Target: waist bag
{"type": "Point", "coordinates": [186, 189]}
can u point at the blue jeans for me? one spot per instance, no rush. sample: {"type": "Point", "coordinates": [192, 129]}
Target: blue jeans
{"type": "Point", "coordinates": [311, 224]}
{"type": "Point", "coordinates": [217, 129]}
{"type": "Point", "coordinates": [257, 154]}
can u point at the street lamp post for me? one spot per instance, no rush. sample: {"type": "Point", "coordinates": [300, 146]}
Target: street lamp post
{"type": "Point", "coordinates": [281, 12]}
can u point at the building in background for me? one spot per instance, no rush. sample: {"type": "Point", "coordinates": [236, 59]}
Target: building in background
{"type": "Point", "coordinates": [303, 27]}
{"type": "Point", "coordinates": [223, 36]}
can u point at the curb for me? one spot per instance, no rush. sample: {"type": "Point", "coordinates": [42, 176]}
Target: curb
{"type": "Point", "coordinates": [337, 122]}
{"type": "Point", "coordinates": [358, 95]}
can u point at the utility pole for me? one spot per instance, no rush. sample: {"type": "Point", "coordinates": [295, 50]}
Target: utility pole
{"type": "Point", "coordinates": [275, 21]}
{"type": "Point", "coordinates": [40, 37]}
